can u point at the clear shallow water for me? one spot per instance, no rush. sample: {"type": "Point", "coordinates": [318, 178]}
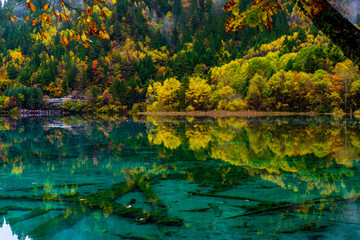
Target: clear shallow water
{"type": "Point", "coordinates": [166, 178]}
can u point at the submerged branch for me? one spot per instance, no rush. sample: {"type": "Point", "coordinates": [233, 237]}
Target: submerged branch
{"type": "Point", "coordinates": [60, 222]}
{"type": "Point", "coordinates": [228, 196]}
{"type": "Point", "coordinates": [34, 213]}
{"type": "Point", "coordinates": [268, 207]}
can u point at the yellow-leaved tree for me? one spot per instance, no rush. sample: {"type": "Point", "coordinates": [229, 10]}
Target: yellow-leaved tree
{"type": "Point", "coordinates": [198, 94]}
{"type": "Point", "coordinates": [163, 97]}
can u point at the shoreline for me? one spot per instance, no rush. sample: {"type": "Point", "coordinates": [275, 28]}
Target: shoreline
{"type": "Point", "coordinates": [217, 113]}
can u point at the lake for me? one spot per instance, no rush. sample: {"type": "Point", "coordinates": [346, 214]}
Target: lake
{"type": "Point", "coordinates": [180, 178]}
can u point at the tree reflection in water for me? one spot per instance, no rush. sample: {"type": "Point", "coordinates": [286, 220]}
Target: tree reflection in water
{"type": "Point", "coordinates": [225, 177]}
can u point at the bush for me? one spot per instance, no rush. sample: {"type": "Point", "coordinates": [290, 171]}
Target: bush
{"type": "Point", "coordinates": [235, 105]}
{"type": "Point", "coordinates": [154, 107]}
{"type": "Point", "coordinates": [73, 107]}
{"type": "Point", "coordinates": [15, 111]}
{"type": "Point", "coordinates": [190, 108]}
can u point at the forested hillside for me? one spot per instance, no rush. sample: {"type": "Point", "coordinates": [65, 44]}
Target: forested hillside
{"type": "Point", "coordinates": [174, 56]}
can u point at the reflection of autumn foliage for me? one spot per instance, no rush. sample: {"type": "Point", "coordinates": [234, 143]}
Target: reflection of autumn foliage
{"type": "Point", "coordinates": [199, 136]}
{"type": "Point", "coordinates": [18, 167]}
{"type": "Point", "coordinates": [306, 152]}
{"type": "Point", "coordinates": [314, 154]}
{"type": "Point", "coordinates": [165, 136]}
{"type": "Point", "coordinates": [161, 133]}
{"type": "Point", "coordinates": [278, 151]}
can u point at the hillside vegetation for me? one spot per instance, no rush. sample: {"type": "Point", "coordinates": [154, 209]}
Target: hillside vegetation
{"type": "Point", "coordinates": [175, 56]}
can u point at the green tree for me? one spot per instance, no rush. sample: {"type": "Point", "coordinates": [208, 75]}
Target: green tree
{"type": "Point", "coordinates": [11, 70]}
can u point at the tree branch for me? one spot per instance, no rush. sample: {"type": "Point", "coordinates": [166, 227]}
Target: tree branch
{"type": "Point", "coordinates": [340, 30]}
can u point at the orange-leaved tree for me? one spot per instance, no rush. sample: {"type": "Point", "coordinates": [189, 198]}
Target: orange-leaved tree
{"type": "Point", "coordinates": [46, 12]}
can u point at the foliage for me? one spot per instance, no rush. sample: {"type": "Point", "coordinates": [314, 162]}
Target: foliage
{"type": "Point", "coordinates": [47, 12]}
{"type": "Point", "coordinates": [73, 107]}
{"type": "Point", "coordinates": [25, 97]}
{"type": "Point", "coordinates": [174, 56]}
{"type": "Point", "coordinates": [163, 97]}
{"type": "Point", "coordinates": [321, 12]}
{"type": "Point", "coordinates": [198, 94]}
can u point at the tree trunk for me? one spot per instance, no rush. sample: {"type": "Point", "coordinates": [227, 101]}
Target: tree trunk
{"type": "Point", "coordinates": [342, 32]}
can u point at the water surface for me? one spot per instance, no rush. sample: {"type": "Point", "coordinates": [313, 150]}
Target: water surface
{"type": "Point", "coordinates": [179, 178]}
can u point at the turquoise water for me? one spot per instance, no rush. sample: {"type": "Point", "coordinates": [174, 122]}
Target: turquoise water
{"type": "Point", "coordinates": [179, 178]}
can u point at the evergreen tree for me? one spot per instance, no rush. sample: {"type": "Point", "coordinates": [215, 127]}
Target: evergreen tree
{"type": "Point", "coordinates": [11, 70]}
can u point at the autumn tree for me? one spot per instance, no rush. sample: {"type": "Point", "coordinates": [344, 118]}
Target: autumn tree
{"type": "Point", "coordinates": [163, 96]}
{"type": "Point", "coordinates": [198, 94]}
{"type": "Point", "coordinates": [90, 16]}
{"type": "Point", "coordinates": [324, 16]}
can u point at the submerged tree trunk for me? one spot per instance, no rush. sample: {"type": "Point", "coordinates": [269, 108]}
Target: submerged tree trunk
{"type": "Point", "coordinates": [340, 30]}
